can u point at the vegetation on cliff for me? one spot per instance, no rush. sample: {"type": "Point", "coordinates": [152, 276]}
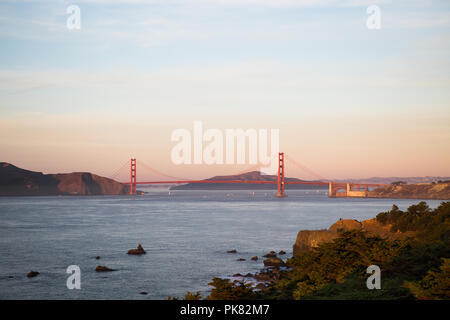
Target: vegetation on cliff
{"type": "Point", "coordinates": [415, 267]}
{"type": "Point", "coordinates": [426, 223]}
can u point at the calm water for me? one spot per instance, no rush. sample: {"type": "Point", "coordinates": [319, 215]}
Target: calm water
{"type": "Point", "coordinates": [186, 235]}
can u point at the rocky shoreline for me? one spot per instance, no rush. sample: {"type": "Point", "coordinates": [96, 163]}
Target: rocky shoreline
{"type": "Point", "coordinates": [273, 266]}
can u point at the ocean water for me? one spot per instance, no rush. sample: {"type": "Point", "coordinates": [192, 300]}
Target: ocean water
{"type": "Point", "coordinates": [186, 234]}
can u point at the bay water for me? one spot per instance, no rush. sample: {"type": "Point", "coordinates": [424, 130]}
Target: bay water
{"type": "Point", "coordinates": [186, 235]}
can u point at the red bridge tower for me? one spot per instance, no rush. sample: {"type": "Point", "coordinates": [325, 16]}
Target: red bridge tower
{"type": "Point", "coordinates": [133, 177]}
{"type": "Point", "coordinates": [281, 193]}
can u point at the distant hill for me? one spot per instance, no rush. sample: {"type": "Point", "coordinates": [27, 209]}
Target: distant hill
{"type": "Point", "coordinates": [439, 191]}
{"type": "Point", "coordinates": [253, 175]}
{"type": "Point", "coordinates": [389, 180]}
{"type": "Point", "coordinates": [15, 181]}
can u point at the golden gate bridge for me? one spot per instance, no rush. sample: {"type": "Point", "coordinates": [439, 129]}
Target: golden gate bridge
{"type": "Point", "coordinates": [335, 189]}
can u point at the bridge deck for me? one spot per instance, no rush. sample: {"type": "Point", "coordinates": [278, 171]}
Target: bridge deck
{"type": "Point", "coordinates": [317, 183]}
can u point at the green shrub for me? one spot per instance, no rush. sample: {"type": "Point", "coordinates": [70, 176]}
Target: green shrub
{"type": "Point", "coordinates": [430, 225]}
{"type": "Point", "coordinates": [332, 262]}
{"type": "Point", "coordinates": [435, 285]}
{"type": "Point", "coordinates": [226, 290]}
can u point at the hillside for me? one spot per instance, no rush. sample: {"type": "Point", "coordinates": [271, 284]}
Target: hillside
{"type": "Point", "coordinates": [15, 181]}
{"type": "Point", "coordinates": [389, 180]}
{"type": "Point", "coordinates": [253, 175]}
{"type": "Point", "coordinates": [439, 191]}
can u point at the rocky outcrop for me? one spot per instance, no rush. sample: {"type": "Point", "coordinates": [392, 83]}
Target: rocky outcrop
{"type": "Point", "coordinates": [271, 254]}
{"type": "Point", "coordinates": [138, 251]}
{"type": "Point", "coordinates": [307, 239]}
{"type": "Point", "coordinates": [15, 181]}
{"type": "Point", "coordinates": [274, 262]}
{"type": "Point", "coordinates": [440, 191]}
{"type": "Point", "coordinates": [248, 275]}
{"type": "Point", "coordinates": [267, 275]}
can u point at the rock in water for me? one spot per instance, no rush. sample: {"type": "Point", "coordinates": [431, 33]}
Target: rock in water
{"type": "Point", "coordinates": [137, 251]}
{"type": "Point", "coordinates": [255, 258]}
{"type": "Point", "coordinates": [274, 262]}
{"type": "Point", "coordinates": [241, 259]}
{"type": "Point", "coordinates": [282, 252]}
{"type": "Point", "coordinates": [232, 251]}
{"type": "Point", "coordinates": [32, 274]}
{"type": "Point", "coordinates": [271, 254]}
{"type": "Point", "coordinates": [103, 269]}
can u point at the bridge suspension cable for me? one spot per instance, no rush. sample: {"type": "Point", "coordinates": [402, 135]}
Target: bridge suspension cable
{"type": "Point", "coordinates": [161, 173]}
{"type": "Point", "coordinates": [304, 168]}
{"type": "Point", "coordinates": [352, 189]}
{"type": "Point", "coordinates": [118, 171]}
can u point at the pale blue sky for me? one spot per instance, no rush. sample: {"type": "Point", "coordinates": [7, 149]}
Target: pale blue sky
{"type": "Point", "coordinates": [297, 65]}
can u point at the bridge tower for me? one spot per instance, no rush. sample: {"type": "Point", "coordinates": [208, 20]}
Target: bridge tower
{"type": "Point", "coordinates": [281, 193]}
{"type": "Point", "coordinates": [133, 176]}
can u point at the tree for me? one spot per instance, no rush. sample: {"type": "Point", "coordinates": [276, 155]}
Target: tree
{"type": "Point", "coordinates": [192, 296]}
{"type": "Point", "coordinates": [188, 296]}
{"type": "Point", "coordinates": [435, 285]}
{"type": "Point", "coordinates": [226, 290]}
{"type": "Point", "coordinates": [330, 263]}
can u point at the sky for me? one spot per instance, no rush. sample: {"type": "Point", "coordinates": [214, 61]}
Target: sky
{"type": "Point", "coordinates": [349, 101]}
